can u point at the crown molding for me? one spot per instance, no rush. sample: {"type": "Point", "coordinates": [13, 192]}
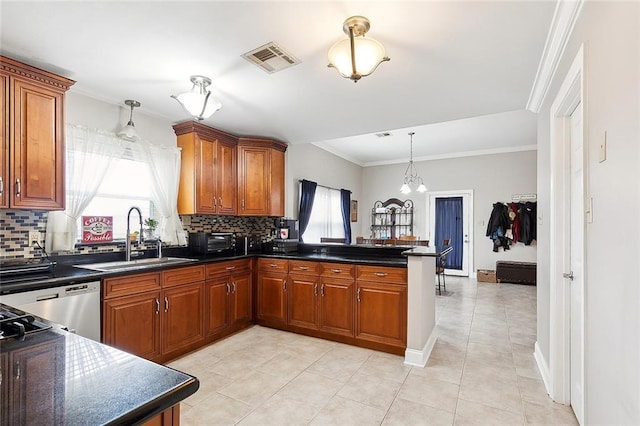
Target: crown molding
{"type": "Point", "coordinates": [564, 19]}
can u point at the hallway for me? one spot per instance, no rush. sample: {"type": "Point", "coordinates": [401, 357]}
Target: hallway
{"type": "Point", "coordinates": [481, 371]}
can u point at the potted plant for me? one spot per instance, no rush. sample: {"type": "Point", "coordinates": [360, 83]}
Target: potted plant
{"type": "Point", "coordinates": [151, 225]}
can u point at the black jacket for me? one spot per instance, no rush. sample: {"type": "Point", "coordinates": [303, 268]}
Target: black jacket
{"type": "Point", "coordinates": [499, 218]}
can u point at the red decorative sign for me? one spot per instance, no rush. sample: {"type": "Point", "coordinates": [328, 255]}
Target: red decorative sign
{"type": "Point", "coordinates": [97, 229]}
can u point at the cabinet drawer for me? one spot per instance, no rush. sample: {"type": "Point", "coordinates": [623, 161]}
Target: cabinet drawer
{"type": "Point", "coordinates": [304, 267]}
{"type": "Point", "coordinates": [179, 276]}
{"type": "Point", "coordinates": [131, 284]}
{"type": "Point", "coordinates": [338, 270]}
{"type": "Point", "coordinates": [221, 268]}
{"type": "Point", "coordinates": [280, 265]}
{"type": "Point", "coordinates": [382, 274]}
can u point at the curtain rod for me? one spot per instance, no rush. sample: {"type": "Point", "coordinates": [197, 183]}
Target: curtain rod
{"type": "Point", "coordinates": [324, 186]}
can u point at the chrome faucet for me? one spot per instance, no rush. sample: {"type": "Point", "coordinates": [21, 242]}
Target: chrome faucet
{"type": "Point", "coordinates": [127, 242]}
{"type": "Point", "coordinates": [159, 242]}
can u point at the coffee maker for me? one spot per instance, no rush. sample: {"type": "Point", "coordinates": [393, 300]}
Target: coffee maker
{"type": "Point", "coordinates": [286, 229]}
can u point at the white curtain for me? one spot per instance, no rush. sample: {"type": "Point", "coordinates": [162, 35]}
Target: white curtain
{"type": "Point", "coordinates": [164, 166]}
{"type": "Point", "coordinates": [326, 216]}
{"type": "Point", "coordinates": [89, 153]}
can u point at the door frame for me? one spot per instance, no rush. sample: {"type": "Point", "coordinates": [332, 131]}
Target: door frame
{"type": "Point", "coordinates": [468, 217]}
{"type": "Point", "coordinates": [571, 93]}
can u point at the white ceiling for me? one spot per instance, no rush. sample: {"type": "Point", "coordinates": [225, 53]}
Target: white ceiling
{"type": "Point", "coordinates": [450, 61]}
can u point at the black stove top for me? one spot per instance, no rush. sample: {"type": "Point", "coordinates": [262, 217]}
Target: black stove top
{"type": "Point", "coordinates": [17, 324]}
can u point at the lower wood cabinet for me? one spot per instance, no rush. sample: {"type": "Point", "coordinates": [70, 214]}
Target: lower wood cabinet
{"type": "Point", "coordinates": [302, 300]}
{"type": "Point", "coordinates": [381, 312]}
{"type": "Point", "coordinates": [228, 294]}
{"type": "Point", "coordinates": [160, 324]}
{"type": "Point", "coordinates": [336, 313]}
{"type": "Point", "coordinates": [272, 296]}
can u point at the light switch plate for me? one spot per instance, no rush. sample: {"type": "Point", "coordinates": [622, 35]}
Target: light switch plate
{"type": "Point", "coordinates": [34, 236]}
{"type": "Point", "coordinates": [603, 148]}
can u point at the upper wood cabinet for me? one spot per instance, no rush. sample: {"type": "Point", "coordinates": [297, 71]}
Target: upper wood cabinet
{"type": "Point", "coordinates": [208, 170]}
{"type": "Point", "coordinates": [32, 146]}
{"type": "Point", "coordinates": [260, 177]}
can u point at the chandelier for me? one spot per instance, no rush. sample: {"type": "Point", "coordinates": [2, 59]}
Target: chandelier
{"type": "Point", "coordinates": [411, 177]}
{"type": "Point", "coordinates": [356, 57]}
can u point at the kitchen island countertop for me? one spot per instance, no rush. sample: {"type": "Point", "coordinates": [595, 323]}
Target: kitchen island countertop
{"type": "Point", "coordinates": [72, 380]}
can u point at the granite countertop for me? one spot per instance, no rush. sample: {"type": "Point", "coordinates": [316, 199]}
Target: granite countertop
{"type": "Point", "coordinates": [64, 273]}
{"type": "Point", "coordinates": [72, 380]}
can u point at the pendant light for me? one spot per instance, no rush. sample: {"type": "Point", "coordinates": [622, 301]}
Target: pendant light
{"type": "Point", "coordinates": [356, 57]}
{"type": "Point", "coordinates": [198, 101]}
{"type": "Point", "coordinates": [129, 131]}
{"type": "Point", "coordinates": [411, 177]}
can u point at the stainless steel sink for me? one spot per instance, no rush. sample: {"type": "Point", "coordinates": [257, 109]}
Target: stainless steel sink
{"type": "Point", "coordinates": [134, 264]}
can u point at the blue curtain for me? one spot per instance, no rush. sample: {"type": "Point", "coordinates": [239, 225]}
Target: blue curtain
{"type": "Point", "coordinates": [345, 200]}
{"type": "Point", "coordinates": [307, 194]}
{"type": "Point", "coordinates": [449, 226]}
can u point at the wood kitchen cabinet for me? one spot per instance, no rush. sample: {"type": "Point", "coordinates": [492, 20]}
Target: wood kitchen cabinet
{"type": "Point", "coordinates": [228, 293]}
{"type": "Point", "coordinates": [33, 383]}
{"type": "Point", "coordinates": [260, 177]}
{"type": "Point", "coordinates": [303, 289]}
{"type": "Point", "coordinates": [271, 289]}
{"type": "Point", "coordinates": [336, 308]}
{"type": "Point", "coordinates": [156, 316]}
{"type": "Point", "coordinates": [33, 149]}
{"type": "Point", "coordinates": [381, 305]}
{"type": "Point", "coordinates": [208, 170]}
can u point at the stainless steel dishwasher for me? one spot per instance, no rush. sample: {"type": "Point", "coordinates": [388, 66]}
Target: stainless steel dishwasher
{"type": "Point", "coordinates": [76, 306]}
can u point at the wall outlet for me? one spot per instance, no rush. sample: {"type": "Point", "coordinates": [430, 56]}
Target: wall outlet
{"type": "Point", "coordinates": [34, 236]}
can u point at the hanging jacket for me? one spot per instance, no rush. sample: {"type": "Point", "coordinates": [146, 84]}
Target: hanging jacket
{"type": "Point", "coordinates": [527, 215]}
{"type": "Point", "coordinates": [515, 222]}
{"type": "Point", "coordinates": [499, 219]}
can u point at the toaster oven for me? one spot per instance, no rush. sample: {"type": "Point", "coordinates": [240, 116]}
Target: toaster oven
{"type": "Point", "coordinates": [212, 243]}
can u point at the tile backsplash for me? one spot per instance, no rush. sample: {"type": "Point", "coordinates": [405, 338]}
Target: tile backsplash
{"type": "Point", "coordinates": [16, 224]}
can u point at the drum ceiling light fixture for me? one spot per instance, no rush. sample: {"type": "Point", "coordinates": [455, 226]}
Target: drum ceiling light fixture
{"type": "Point", "coordinates": [198, 101]}
{"type": "Point", "coordinates": [356, 57]}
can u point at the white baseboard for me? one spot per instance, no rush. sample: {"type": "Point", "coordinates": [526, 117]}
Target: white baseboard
{"type": "Point", "coordinates": [419, 358]}
{"type": "Point", "coordinates": [543, 368]}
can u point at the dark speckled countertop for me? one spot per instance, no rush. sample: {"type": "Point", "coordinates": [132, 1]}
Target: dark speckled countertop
{"type": "Point", "coordinates": [72, 380]}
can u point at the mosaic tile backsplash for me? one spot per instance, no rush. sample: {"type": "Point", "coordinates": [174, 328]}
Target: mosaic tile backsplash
{"type": "Point", "coordinates": [16, 224]}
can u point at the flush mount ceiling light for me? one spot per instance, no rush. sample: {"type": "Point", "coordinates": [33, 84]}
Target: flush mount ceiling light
{"type": "Point", "coordinates": [198, 101]}
{"type": "Point", "coordinates": [129, 131]}
{"type": "Point", "coordinates": [411, 177]}
{"type": "Point", "coordinates": [356, 57]}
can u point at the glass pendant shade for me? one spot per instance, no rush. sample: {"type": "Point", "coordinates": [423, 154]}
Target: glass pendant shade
{"type": "Point", "coordinates": [198, 101]}
{"type": "Point", "coordinates": [129, 131]}
{"type": "Point", "coordinates": [356, 56]}
{"type": "Point", "coordinates": [405, 189]}
{"type": "Point", "coordinates": [369, 53]}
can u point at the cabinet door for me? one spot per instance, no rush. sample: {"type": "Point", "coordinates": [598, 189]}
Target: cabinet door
{"type": "Point", "coordinates": [253, 179]}
{"type": "Point", "coordinates": [302, 303]}
{"type": "Point", "coordinates": [36, 380]}
{"type": "Point", "coordinates": [381, 313]}
{"type": "Point", "coordinates": [132, 323]}
{"type": "Point", "coordinates": [226, 171]}
{"type": "Point", "coordinates": [182, 320]}
{"type": "Point", "coordinates": [5, 183]}
{"type": "Point", "coordinates": [336, 306]}
{"type": "Point", "coordinates": [217, 305]}
{"type": "Point", "coordinates": [272, 303]}
{"type": "Point", "coordinates": [37, 170]}
{"type": "Point", "coordinates": [205, 176]}
{"type": "Point", "coordinates": [240, 300]}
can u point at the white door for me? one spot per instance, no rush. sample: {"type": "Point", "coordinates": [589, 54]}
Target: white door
{"type": "Point", "coordinates": [577, 229]}
{"type": "Point", "coordinates": [467, 227]}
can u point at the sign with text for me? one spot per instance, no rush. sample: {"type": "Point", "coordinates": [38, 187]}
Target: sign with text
{"type": "Point", "coordinates": [97, 229]}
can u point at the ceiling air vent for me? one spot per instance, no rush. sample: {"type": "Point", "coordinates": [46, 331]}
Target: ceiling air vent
{"type": "Point", "coordinates": [383, 134]}
{"type": "Point", "coordinates": [271, 58]}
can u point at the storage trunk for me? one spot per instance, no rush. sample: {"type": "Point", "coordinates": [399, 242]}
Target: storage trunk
{"type": "Point", "coordinates": [516, 272]}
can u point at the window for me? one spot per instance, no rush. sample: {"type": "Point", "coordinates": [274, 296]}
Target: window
{"type": "Point", "coordinates": [127, 183]}
{"type": "Point", "coordinates": [326, 216]}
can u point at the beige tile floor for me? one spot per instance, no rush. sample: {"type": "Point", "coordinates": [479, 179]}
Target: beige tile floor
{"type": "Point", "coordinates": [481, 371]}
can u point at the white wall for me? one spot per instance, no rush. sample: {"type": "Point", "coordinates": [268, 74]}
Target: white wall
{"type": "Point", "coordinates": [491, 177]}
{"type": "Point", "coordinates": [92, 113]}
{"type": "Point", "coordinates": [611, 37]}
{"type": "Point", "coordinates": [307, 161]}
